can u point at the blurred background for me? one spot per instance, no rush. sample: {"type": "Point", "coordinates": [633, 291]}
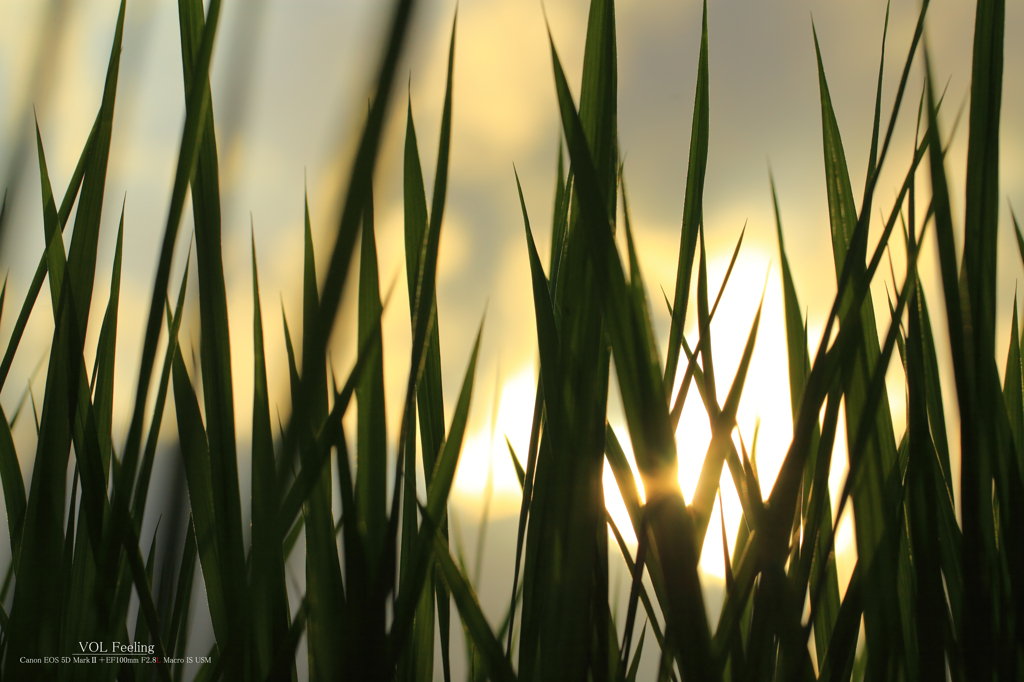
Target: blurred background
{"type": "Point", "coordinates": [290, 87]}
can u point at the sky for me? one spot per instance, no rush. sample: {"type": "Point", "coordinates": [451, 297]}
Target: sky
{"type": "Point", "coordinates": [290, 82]}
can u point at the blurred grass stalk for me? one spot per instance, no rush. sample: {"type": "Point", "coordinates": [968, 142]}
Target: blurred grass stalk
{"type": "Point", "coordinates": [939, 590]}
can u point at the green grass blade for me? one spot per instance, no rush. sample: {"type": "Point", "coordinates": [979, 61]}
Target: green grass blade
{"type": "Point", "coordinates": [520, 474]}
{"type": "Point", "coordinates": [371, 436]}
{"type": "Point", "coordinates": [988, 457]}
{"type": "Point", "coordinates": [85, 237]}
{"type": "Point", "coordinates": [599, 96]}
{"type": "Point", "coordinates": [37, 279]}
{"type": "Point", "coordinates": [178, 623]}
{"type": "Point", "coordinates": [414, 205]}
{"type": "Point", "coordinates": [196, 102]}
{"type": "Point", "coordinates": [68, 564]}
{"type": "Point", "coordinates": [425, 369]}
{"type": "Point", "coordinates": [634, 667]}
{"type": "Point", "coordinates": [424, 313]}
{"type": "Point", "coordinates": [723, 423]}
{"type": "Point", "coordinates": [840, 657]}
{"type": "Point", "coordinates": [560, 211]}
{"type": "Point", "coordinates": [646, 411]}
{"type": "Point", "coordinates": [547, 329]}
{"type": "Point", "coordinates": [35, 614]}
{"type": "Point", "coordinates": [1013, 387]}
{"type": "Point", "coordinates": [873, 154]}
{"type": "Point", "coordinates": [14, 488]}
{"type": "Point", "coordinates": [357, 191]}
{"type": "Point", "coordinates": [565, 609]}
{"type": "Point", "coordinates": [704, 324]}
{"type": "Point", "coordinates": [799, 367]}
{"type": "Point", "coordinates": [195, 451]}
{"type": "Point", "coordinates": [323, 567]}
{"type": "Point", "coordinates": [214, 345]}
{"type": "Point", "coordinates": [269, 597]}
{"type": "Point", "coordinates": [103, 375]}
{"type": "Point", "coordinates": [466, 600]}
{"type": "Point", "coordinates": [149, 454]}
{"type": "Point", "coordinates": [881, 454]}
{"type": "Point", "coordinates": [977, 605]}
{"type": "Point", "coordinates": [982, 184]}
{"type": "Point", "coordinates": [436, 509]}
{"type": "Point", "coordinates": [922, 481]}
{"type": "Point", "coordinates": [141, 632]}
{"type": "Point", "coordinates": [936, 413]}
{"type": "Point", "coordinates": [693, 204]}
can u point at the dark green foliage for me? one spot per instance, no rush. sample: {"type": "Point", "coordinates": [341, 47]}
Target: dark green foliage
{"type": "Point", "coordinates": [936, 596]}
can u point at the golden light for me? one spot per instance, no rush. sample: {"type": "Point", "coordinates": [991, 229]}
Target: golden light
{"type": "Point", "coordinates": [764, 410]}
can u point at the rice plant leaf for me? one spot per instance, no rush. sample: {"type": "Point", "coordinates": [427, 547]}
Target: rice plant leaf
{"type": "Point", "coordinates": [436, 509]}
{"type": "Point", "coordinates": [195, 452]}
{"type": "Point", "coordinates": [922, 506]}
{"type": "Point", "coordinates": [634, 667]}
{"type": "Point", "coordinates": [977, 607]}
{"type": "Point", "coordinates": [141, 632]}
{"type": "Point", "coordinates": [991, 457]}
{"type": "Point", "coordinates": [66, 404]}
{"type": "Point", "coordinates": [693, 204]}
{"type": "Point", "coordinates": [565, 608]}
{"type": "Point", "coordinates": [520, 474]}
{"type": "Point", "coordinates": [1013, 387]}
{"type": "Point", "coordinates": [799, 362]}
{"type": "Point", "coordinates": [303, 488]}
{"type": "Point", "coordinates": [631, 496]}
{"type": "Point", "coordinates": [269, 597]}
{"type": "Point", "coordinates": [723, 423]}
{"type": "Point", "coordinates": [103, 375]}
{"type": "Point", "coordinates": [982, 183]}
{"type": "Point", "coordinates": [644, 598]}
{"type": "Point", "coordinates": [371, 436]}
{"type": "Point", "coordinates": [560, 210]}
{"type": "Point", "coordinates": [357, 193]}
{"type": "Point", "coordinates": [842, 209]}
{"type": "Point", "coordinates": [599, 96]}
{"type": "Point", "coordinates": [799, 367]}
{"type": "Point", "coordinates": [693, 370]}
{"type": "Point", "coordinates": [426, 352]}
{"type": "Point", "coordinates": [425, 366]}
{"type": "Point", "coordinates": [704, 345]}
{"type": "Point", "coordinates": [85, 236]}
{"type": "Point", "coordinates": [840, 656]}
{"type": "Point", "coordinates": [524, 513]}
{"type": "Point", "coordinates": [14, 488]}
{"type": "Point", "coordinates": [37, 279]}
{"type": "Point", "coordinates": [444, 470]}
{"type": "Point", "coordinates": [414, 206]}
{"type": "Point", "coordinates": [849, 250]}
{"type": "Point", "coordinates": [547, 329]}
{"type": "Point", "coordinates": [149, 454]}
{"type": "Point", "coordinates": [69, 558]}
{"type": "Point", "coordinates": [873, 154]}
{"type": "Point", "coordinates": [55, 258]}
{"type": "Point", "coordinates": [647, 413]}
{"type": "Point", "coordinates": [35, 614]}
{"type": "Point", "coordinates": [468, 604]}
{"type": "Point", "coordinates": [323, 567]}
{"type": "Point", "coordinates": [214, 343]}
{"type": "Point", "coordinates": [191, 136]}
{"type": "Point", "coordinates": [177, 624]}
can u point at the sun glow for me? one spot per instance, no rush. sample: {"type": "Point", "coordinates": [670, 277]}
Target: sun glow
{"type": "Point", "coordinates": [485, 453]}
{"type": "Point", "coordinates": [763, 421]}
